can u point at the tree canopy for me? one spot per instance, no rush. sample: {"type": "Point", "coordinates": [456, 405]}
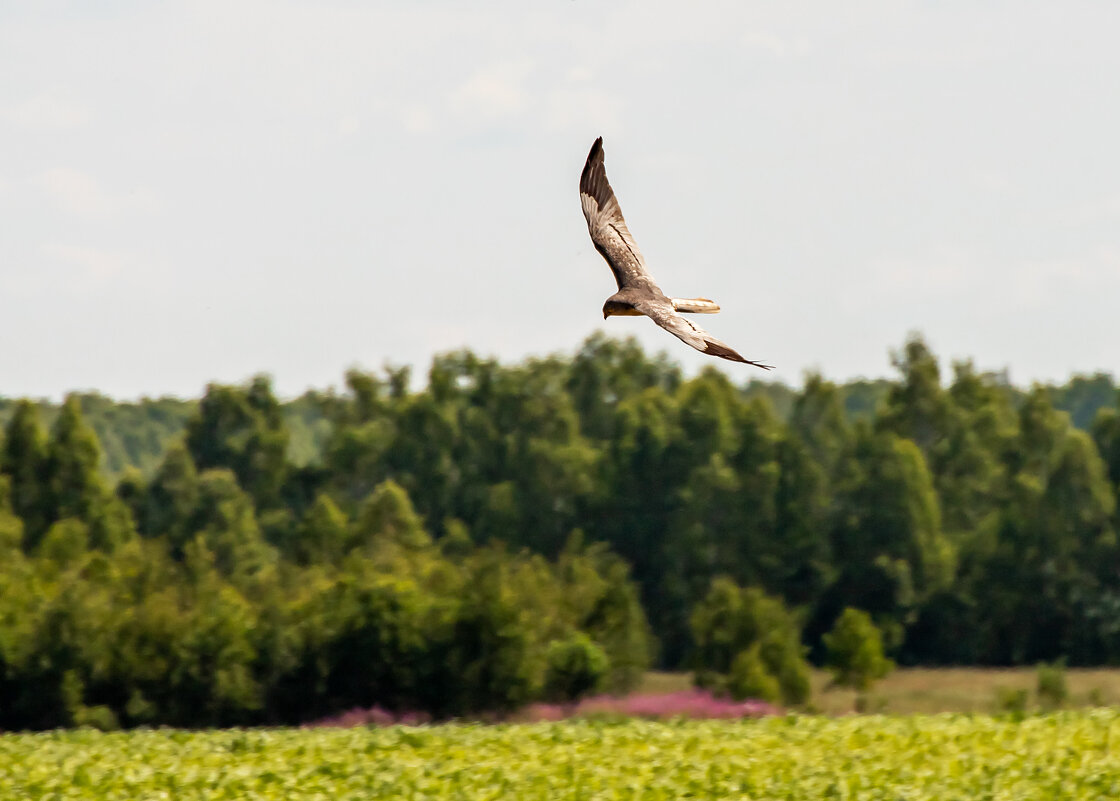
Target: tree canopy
{"type": "Point", "coordinates": [508, 532]}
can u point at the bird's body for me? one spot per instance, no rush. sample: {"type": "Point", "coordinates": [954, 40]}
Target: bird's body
{"type": "Point", "coordinates": [637, 293]}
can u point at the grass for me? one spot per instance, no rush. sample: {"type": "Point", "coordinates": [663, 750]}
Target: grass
{"type": "Point", "coordinates": [909, 691]}
{"type": "Point", "coordinates": [969, 690]}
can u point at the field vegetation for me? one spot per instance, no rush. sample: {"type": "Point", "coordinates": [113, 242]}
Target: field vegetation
{"type": "Point", "coordinates": [1068, 755]}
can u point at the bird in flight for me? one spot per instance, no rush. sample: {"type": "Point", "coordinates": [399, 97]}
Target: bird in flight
{"type": "Point", "coordinates": [637, 293]}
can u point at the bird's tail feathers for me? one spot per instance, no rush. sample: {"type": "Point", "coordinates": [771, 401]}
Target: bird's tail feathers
{"type": "Point", "coordinates": [695, 305]}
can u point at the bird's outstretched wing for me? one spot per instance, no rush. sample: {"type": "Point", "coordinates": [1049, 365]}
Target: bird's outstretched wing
{"type": "Point", "coordinates": [663, 313]}
{"type": "Point", "coordinates": [605, 223]}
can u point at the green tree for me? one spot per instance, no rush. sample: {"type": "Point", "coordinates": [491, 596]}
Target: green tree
{"type": "Point", "coordinates": [749, 677]}
{"type": "Point", "coordinates": [324, 535]}
{"type": "Point", "coordinates": [388, 516]}
{"type": "Point", "coordinates": [576, 667]}
{"type": "Point", "coordinates": [1056, 537]}
{"type": "Point", "coordinates": [1106, 436]}
{"type": "Point", "coordinates": [747, 642]}
{"type": "Point", "coordinates": [65, 543]}
{"type": "Point", "coordinates": [11, 526]}
{"type": "Point", "coordinates": [890, 551]}
{"type": "Point", "coordinates": [917, 407]}
{"type": "Point", "coordinates": [225, 524]}
{"type": "Point", "coordinates": [820, 424]}
{"type": "Point", "coordinates": [970, 474]}
{"type": "Point", "coordinates": [1083, 396]}
{"type": "Point", "coordinates": [171, 498]}
{"type": "Point", "coordinates": [75, 486]}
{"type": "Point", "coordinates": [594, 594]}
{"type": "Point", "coordinates": [24, 460]}
{"type": "Point", "coordinates": [801, 564]}
{"type": "Point", "coordinates": [242, 429]}
{"type": "Point", "coordinates": [727, 515]}
{"type": "Point", "coordinates": [640, 489]}
{"type": "Point", "coordinates": [855, 651]}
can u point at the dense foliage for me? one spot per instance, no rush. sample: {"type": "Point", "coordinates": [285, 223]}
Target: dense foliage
{"type": "Point", "coordinates": [1064, 755]}
{"type": "Point", "coordinates": [231, 588]}
{"type": "Point", "coordinates": [748, 645]}
{"type": "Point", "coordinates": [257, 560]}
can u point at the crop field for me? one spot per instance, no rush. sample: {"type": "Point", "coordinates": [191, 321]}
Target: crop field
{"type": "Point", "coordinates": [1068, 755]}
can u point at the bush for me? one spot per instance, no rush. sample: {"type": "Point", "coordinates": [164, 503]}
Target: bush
{"type": "Point", "coordinates": [749, 644]}
{"type": "Point", "coordinates": [1011, 700]}
{"type": "Point", "coordinates": [1052, 689]}
{"type": "Point", "coordinates": [576, 667]}
{"type": "Point", "coordinates": [750, 678]}
{"type": "Point", "coordinates": [794, 679]}
{"type": "Point", "coordinates": [855, 651]}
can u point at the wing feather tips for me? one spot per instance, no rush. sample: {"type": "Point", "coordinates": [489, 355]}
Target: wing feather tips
{"type": "Point", "coordinates": [724, 352]}
{"type": "Point", "coordinates": [717, 349]}
{"type": "Point", "coordinates": [593, 179]}
{"type": "Point", "coordinates": [596, 149]}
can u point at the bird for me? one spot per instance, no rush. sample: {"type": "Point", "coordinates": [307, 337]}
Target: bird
{"type": "Point", "coordinates": [637, 293]}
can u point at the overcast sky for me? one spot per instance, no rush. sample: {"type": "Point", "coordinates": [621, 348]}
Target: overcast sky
{"type": "Point", "coordinates": [195, 192]}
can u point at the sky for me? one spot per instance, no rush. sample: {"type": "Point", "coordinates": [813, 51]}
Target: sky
{"type": "Point", "coordinates": [203, 191]}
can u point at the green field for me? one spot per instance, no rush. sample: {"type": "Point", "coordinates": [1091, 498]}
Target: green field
{"type": "Point", "coordinates": [1068, 755]}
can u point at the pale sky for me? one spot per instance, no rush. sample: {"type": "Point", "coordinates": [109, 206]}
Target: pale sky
{"type": "Point", "coordinates": [195, 192]}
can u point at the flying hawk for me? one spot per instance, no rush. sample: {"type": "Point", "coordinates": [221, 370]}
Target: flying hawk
{"type": "Point", "coordinates": [637, 293]}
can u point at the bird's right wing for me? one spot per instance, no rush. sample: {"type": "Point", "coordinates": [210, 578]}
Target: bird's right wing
{"type": "Point", "coordinates": [605, 223]}
{"type": "Point", "coordinates": [663, 313]}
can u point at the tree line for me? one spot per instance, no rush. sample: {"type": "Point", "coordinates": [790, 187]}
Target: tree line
{"type": "Point", "coordinates": [506, 532]}
{"type": "Point", "coordinates": [137, 434]}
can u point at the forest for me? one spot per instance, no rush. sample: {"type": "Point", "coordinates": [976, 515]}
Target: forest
{"type": "Point", "coordinates": [541, 530]}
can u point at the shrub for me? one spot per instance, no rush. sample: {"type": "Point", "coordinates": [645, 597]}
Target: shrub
{"type": "Point", "coordinates": [1011, 700]}
{"type": "Point", "coordinates": [1052, 689]}
{"type": "Point", "coordinates": [749, 644]}
{"type": "Point", "coordinates": [576, 666]}
{"type": "Point", "coordinates": [749, 677]}
{"type": "Point", "coordinates": [855, 651]}
{"type": "Point", "coordinates": [794, 679]}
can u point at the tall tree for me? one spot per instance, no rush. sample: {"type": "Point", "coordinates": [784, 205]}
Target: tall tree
{"type": "Point", "coordinates": [1106, 435]}
{"type": "Point", "coordinates": [171, 498]}
{"type": "Point", "coordinates": [1056, 538]}
{"type": "Point", "coordinates": [24, 460]}
{"type": "Point", "coordinates": [917, 407]}
{"type": "Point", "coordinates": [890, 550]}
{"type": "Point", "coordinates": [75, 485]}
{"type": "Point", "coordinates": [11, 526]}
{"type": "Point", "coordinates": [242, 429]}
{"type": "Point", "coordinates": [225, 524]}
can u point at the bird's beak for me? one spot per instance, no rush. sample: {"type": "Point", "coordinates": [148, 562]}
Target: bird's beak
{"type": "Point", "coordinates": [605, 315]}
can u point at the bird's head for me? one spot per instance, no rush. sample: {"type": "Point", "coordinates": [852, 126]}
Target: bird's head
{"type": "Point", "coordinates": [615, 307]}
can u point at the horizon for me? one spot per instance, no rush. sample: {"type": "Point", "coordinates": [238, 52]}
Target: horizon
{"type": "Point", "coordinates": [418, 377]}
